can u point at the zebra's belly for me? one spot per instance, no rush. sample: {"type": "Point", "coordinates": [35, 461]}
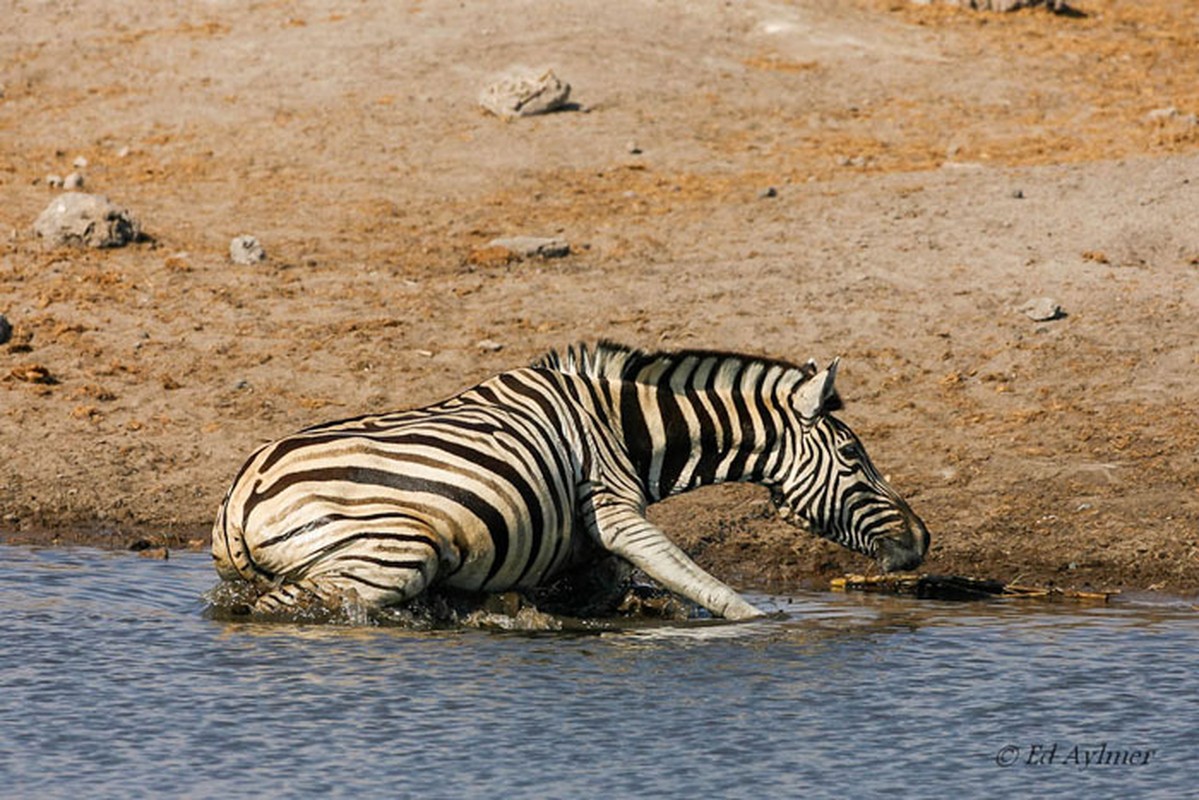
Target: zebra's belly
{"type": "Point", "coordinates": [520, 558]}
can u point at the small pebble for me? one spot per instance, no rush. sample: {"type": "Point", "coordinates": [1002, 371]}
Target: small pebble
{"type": "Point", "coordinates": [1018, 194]}
{"type": "Point", "coordinates": [633, 148]}
{"type": "Point", "coordinates": [1042, 309]}
{"type": "Point", "coordinates": [246, 250]}
{"type": "Point", "coordinates": [489, 345]}
{"type": "Point", "coordinates": [768, 192]}
{"type": "Point", "coordinates": [80, 162]}
{"type": "Point", "coordinates": [72, 181]}
{"type": "Point", "coordinates": [54, 181]}
{"type": "Point", "coordinates": [5, 329]}
{"type": "Point", "coordinates": [533, 246]}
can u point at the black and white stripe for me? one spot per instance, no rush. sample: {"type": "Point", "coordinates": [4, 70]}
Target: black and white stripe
{"type": "Point", "coordinates": [541, 469]}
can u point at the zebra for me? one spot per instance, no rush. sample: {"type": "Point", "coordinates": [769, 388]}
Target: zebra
{"type": "Point", "coordinates": [545, 469]}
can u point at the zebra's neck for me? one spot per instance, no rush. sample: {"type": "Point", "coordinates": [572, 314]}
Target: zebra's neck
{"type": "Point", "coordinates": [691, 418]}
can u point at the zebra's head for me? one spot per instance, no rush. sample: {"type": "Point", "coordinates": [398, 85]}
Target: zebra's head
{"type": "Point", "coordinates": [830, 486]}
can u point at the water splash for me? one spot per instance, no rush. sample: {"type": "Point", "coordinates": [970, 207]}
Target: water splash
{"type": "Point", "coordinates": [232, 601]}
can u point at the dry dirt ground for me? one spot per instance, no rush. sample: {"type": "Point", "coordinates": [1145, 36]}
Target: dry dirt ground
{"type": "Point", "coordinates": [932, 170]}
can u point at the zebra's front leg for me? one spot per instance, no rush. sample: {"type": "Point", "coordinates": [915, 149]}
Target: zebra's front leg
{"type": "Point", "coordinates": [626, 532]}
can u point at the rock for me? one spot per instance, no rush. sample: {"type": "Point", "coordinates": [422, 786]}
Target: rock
{"type": "Point", "coordinates": [88, 220]}
{"type": "Point", "coordinates": [1042, 309]}
{"type": "Point", "coordinates": [524, 93]}
{"type": "Point", "coordinates": [768, 193]}
{"type": "Point", "coordinates": [72, 182]}
{"type": "Point", "coordinates": [489, 345]}
{"type": "Point", "coordinates": [246, 250]}
{"type": "Point", "coordinates": [1057, 6]}
{"type": "Point", "coordinates": [5, 329]}
{"type": "Point", "coordinates": [33, 373]}
{"type": "Point", "coordinates": [532, 246]}
{"type": "Point", "coordinates": [1171, 116]}
{"type": "Point", "coordinates": [80, 162]}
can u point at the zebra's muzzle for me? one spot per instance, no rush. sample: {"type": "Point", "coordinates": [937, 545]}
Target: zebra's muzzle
{"type": "Point", "coordinates": [904, 550]}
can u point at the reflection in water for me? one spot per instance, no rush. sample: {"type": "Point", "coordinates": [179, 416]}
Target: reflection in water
{"type": "Point", "coordinates": [115, 682]}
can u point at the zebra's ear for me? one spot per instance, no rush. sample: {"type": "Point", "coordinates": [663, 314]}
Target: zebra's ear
{"type": "Point", "coordinates": [817, 395]}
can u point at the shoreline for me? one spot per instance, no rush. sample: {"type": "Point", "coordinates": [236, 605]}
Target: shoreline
{"type": "Point", "coordinates": [754, 566]}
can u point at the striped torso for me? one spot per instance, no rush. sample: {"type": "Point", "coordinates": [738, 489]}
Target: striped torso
{"type": "Point", "coordinates": [491, 478]}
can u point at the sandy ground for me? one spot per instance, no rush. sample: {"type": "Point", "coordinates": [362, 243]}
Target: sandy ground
{"type": "Point", "coordinates": [932, 170]}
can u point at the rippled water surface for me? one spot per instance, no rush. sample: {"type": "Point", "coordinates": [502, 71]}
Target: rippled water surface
{"type": "Point", "coordinates": [115, 683]}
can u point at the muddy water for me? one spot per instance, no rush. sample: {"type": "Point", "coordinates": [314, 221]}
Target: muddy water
{"type": "Point", "coordinates": [115, 682]}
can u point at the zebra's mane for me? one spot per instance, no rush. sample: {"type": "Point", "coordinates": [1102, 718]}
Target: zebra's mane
{"type": "Point", "coordinates": [615, 361]}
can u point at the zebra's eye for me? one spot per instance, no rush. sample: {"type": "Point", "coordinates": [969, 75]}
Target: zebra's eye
{"type": "Point", "coordinates": [850, 451]}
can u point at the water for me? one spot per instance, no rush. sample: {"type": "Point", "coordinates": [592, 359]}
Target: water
{"type": "Point", "coordinates": [114, 683]}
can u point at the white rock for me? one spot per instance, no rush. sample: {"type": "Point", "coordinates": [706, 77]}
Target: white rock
{"type": "Point", "coordinates": [73, 181]}
{"type": "Point", "coordinates": [532, 246]}
{"type": "Point", "coordinates": [89, 220]}
{"type": "Point", "coordinates": [524, 93]}
{"type": "Point", "coordinates": [1042, 309]}
{"type": "Point", "coordinates": [997, 5]}
{"type": "Point", "coordinates": [246, 250]}
{"type": "Point", "coordinates": [1160, 114]}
